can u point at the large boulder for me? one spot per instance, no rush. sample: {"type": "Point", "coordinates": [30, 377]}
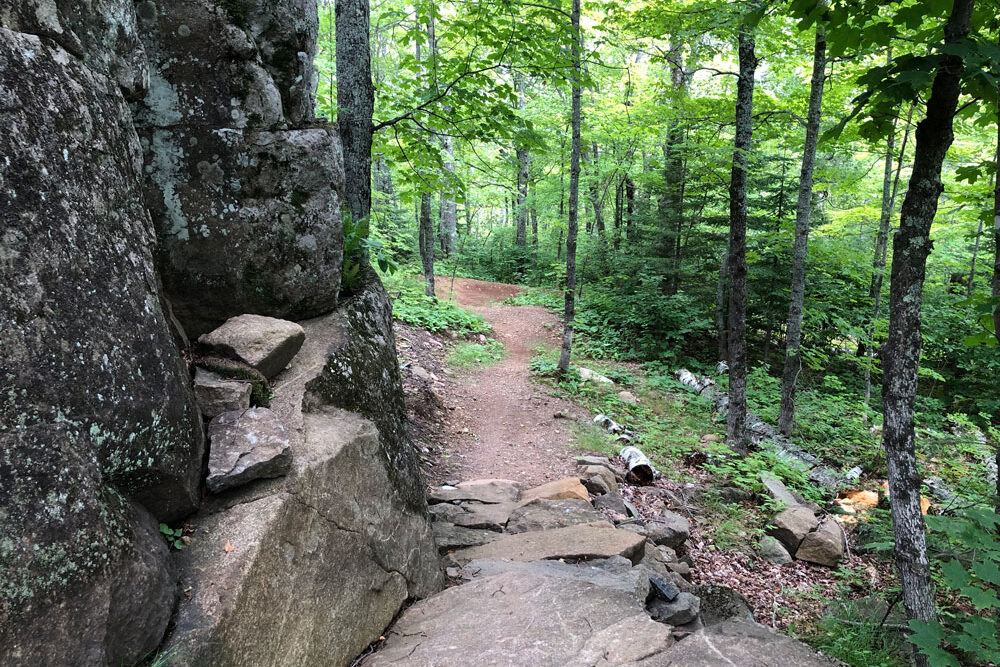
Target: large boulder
{"type": "Point", "coordinates": [524, 618]}
{"type": "Point", "coordinates": [330, 553]}
{"type": "Point", "coordinates": [98, 417]}
{"type": "Point", "coordinates": [236, 166]}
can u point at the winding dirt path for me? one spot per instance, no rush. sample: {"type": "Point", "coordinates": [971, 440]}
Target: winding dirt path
{"type": "Point", "coordinates": [512, 431]}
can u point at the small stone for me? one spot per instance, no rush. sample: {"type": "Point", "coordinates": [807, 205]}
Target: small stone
{"type": "Point", "coordinates": [773, 551]}
{"type": "Point", "coordinates": [669, 529]}
{"type": "Point", "coordinates": [683, 609]}
{"type": "Point", "coordinates": [681, 568]}
{"type": "Point", "coordinates": [246, 445]}
{"type": "Point", "coordinates": [594, 376]}
{"type": "Point", "coordinates": [824, 546]}
{"type": "Point", "coordinates": [663, 589]}
{"type": "Point", "coordinates": [611, 501]}
{"type": "Point", "coordinates": [421, 372]}
{"type": "Point", "coordinates": [791, 526]}
{"type": "Point", "coordinates": [560, 489]}
{"type": "Point", "coordinates": [606, 474]}
{"type": "Point", "coordinates": [628, 397]}
{"type": "Point", "coordinates": [216, 394]}
{"type": "Point", "coordinates": [596, 486]}
{"type": "Point", "coordinates": [266, 343]}
{"type": "Point", "coordinates": [592, 460]}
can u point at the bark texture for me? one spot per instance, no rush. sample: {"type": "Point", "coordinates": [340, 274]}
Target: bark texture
{"type": "Point", "coordinates": [574, 198]}
{"type": "Point", "coordinates": [803, 210]}
{"type": "Point", "coordinates": [449, 207]}
{"type": "Point", "coordinates": [427, 243]}
{"type": "Point", "coordinates": [901, 355]}
{"type": "Point", "coordinates": [355, 105]}
{"type": "Point", "coordinates": [523, 169]}
{"type": "Point", "coordinates": [736, 416]}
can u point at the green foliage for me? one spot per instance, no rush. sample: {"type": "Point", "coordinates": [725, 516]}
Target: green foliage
{"type": "Point", "coordinates": [469, 355]}
{"type": "Point", "coordinates": [172, 536]}
{"type": "Point", "coordinates": [857, 639]}
{"type": "Point", "coordinates": [744, 470]}
{"type": "Point", "coordinates": [968, 551]}
{"type": "Point", "coordinates": [411, 306]}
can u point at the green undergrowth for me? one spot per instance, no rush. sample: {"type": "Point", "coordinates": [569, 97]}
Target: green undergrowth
{"type": "Point", "coordinates": [476, 355]}
{"type": "Point", "coordinates": [411, 306]}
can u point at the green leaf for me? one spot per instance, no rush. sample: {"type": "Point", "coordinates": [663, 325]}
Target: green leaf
{"type": "Point", "coordinates": [955, 575]}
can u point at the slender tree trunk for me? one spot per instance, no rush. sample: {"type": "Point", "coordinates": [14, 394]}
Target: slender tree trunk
{"type": "Point", "coordinates": [427, 243]}
{"type": "Point", "coordinates": [882, 244]}
{"type": "Point", "coordinates": [574, 197]}
{"type": "Point", "coordinates": [970, 288]}
{"type": "Point", "coordinates": [524, 168]}
{"type": "Point", "coordinates": [630, 228]}
{"type": "Point", "coordinates": [736, 427]}
{"type": "Point", "coordinates": [449, 207]}
{"type": "Point", "coordinates": [355, 105]}
{"type": "Point", "coordinates": [619, 210]}
{"type": "Point", "coordinates": [596, 198]}
{"type": "Point", "coordinates": [996, 254]}
{"type": "Point", "coordinates": [720, 307]}
{"type": "Point", "coordinates": [803, 210]}
{"type": "Point", "coordinates": [901, 357]}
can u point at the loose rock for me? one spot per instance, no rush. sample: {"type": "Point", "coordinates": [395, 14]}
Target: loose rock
{"type": "Point", "coordinates": [773, 551]}
{"type": "Point", "coordinates": [561, 489]}
{"type": "Point", "coordinates": [246, 445]}
{"type": "Point", "coordinates": [824, 546]}
{"type": "Point", "coordinates": [216, 394]}
{"type": "Point", "coordinates": [480, 491]}
{"type": "Point", "coordinates": [266, 343]}
{"type": "Point", "coordinates": [791, 526]}
{"type": "Point", "coordinates": [683, 609]}
{"type": "Point", "coordinates": [547, 514]}
{"type": "Point", "coordinates": [670, 529]}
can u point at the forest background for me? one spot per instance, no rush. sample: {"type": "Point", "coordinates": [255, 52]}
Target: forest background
{"type": "Point", "coordinates": [473, 175]}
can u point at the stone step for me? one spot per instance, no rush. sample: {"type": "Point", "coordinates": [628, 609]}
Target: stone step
{"type": "Point", "coordinates": [588, 541]}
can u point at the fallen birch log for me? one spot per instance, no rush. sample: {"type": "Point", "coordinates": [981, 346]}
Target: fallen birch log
{"type": "Point", "coordinates": [640, 468]}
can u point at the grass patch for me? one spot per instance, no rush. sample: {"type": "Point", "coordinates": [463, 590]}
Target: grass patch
{"type": "Point", "coordinates": [411, 306]}
{"type": "Point", "coordinates": [854, 638]}
{"type": "Point", "coordinates": [592, 438]}
{"type": "Point", "coordinates": [476, 355]}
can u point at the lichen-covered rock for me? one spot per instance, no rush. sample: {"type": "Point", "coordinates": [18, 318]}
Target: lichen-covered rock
{"type": "Point", "coordinates": [101, 33]}
{"type": "Point", "coordinates": [231, 169]}
{"type": "Point", "coordinates": [97, 405]}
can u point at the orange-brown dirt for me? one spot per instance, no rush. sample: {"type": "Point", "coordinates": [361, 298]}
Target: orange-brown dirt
{"type": "Point", "coordinates": [492, 421]}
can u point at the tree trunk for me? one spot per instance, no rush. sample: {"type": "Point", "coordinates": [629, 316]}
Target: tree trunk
{"type": "Point", "coordinates": [720, 307]}
{"type": "Point", "coordinates": [630, 228]}
{"type": "Point", "coordinates": [803, 210]}
{"type": "Point", "coordinates": [736, 418]}
{"type": "Point", "coordinates": [524, 167]}
{"type": "Point", "coordinates": [449, 207]}
{"type": "Point", "coordinates": [882, 244]}
{"type": "Point", "coordinates": [996, 254]}
{"type": "Point", "coordinates": [574, 197]}
{"type": "Point", "coordinates": [970, 288]}
{"type": "Point", "coordinates": [596, 196]}
{"type": "Point", "coordinates": [355, 104]}
{"type": "Point", "coordinates": [427, 243]}
{"type": "Point", "coordinates": [901, 356]}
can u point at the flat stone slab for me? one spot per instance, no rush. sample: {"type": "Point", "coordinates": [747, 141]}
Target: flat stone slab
{"type": "Point", "coordinates": [574, 542]}
{"type": "Point", "coordinates": [617, 572]}
{"type": "Point", "coordinates": [246, 445]}
{"type": "Point", "coordinates": [519, 618]}
{"type": "Point", "coordinates": [266, 343]}
{"type": "Point", "coordinates": [560, 489]}
{"type": "Point", "coordinates": [489, 516]}
{"type": "Point", "coordinates": [448, 536]}
{"type": "Point", "coordinates": [548, 514]}
{"type": "Point", "coordinates": [742, 644]}
{"type": "Point", "coordinates": [480, 491]}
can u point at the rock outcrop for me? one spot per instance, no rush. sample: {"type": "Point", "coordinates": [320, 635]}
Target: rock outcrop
{"type": "Point", "coordinates": [237, 167]}
{"type": "Point", "coordinates": [330, 553]}
{"type": "Point", "coordinates": [98, 422]}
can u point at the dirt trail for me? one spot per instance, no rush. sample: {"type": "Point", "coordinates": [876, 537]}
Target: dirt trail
{"type": "Point", "coordinates": [512, 429]}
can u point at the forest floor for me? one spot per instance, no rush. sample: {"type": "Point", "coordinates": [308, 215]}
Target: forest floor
{"type": "Point", "coordinates": [492, 421]}
{"type": "Point", "coordinates": [498, 421]}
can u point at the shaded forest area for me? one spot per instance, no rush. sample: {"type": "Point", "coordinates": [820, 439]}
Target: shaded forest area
{"type": "Point", "coordinates": [806, 191]}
